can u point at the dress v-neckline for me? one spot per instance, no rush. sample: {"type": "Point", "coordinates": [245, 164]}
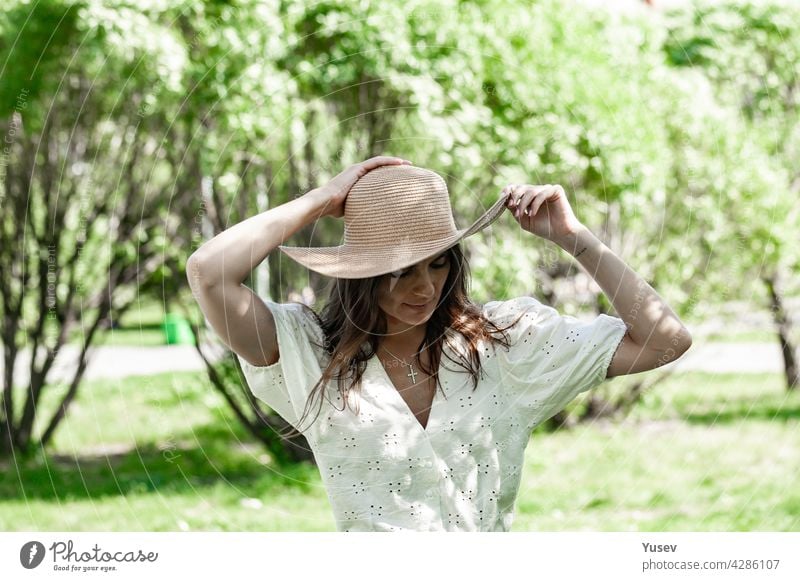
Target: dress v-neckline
{"type": "Point", "coordinates": [396, 394]}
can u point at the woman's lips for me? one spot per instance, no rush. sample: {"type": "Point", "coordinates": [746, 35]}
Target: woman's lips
{"type": "Point", "coordinates": [418, 308]}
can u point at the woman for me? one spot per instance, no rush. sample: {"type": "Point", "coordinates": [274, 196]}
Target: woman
{"type": "Point", "coordinates": [403, 439]}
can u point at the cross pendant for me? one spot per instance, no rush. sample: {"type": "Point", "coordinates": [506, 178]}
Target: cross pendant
{"type": "Point", "coordinates": [412, 375]}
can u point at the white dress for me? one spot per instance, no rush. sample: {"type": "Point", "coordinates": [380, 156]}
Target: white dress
{"type": "Point", "coordinates": [383, 472]}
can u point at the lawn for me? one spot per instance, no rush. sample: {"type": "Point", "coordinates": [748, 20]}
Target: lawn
{"type": "Point", "coordinates": [703, 452]}
{"type": "Point", "coordinates": [140, 326]}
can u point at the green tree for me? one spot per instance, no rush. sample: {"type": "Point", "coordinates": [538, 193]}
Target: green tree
{"type": "Point", "coordinates": [83, 227]}
{"type": "Point", "coordinates": [750, 52]}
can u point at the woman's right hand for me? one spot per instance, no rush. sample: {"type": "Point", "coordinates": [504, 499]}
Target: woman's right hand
{"type": "Point", "coordinates": [334, 193]}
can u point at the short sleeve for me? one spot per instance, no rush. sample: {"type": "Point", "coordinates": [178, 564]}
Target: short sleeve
{"type": "Point", "coordinates": [285, 385]}
{"type": "Point", "coordinates": [552, 357]}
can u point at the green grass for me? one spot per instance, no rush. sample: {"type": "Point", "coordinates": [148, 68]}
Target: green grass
{"type": "Point", "coordinates": [149, 336]}
{"type": "Point", "coordinates": [140, 326]}
{"type": "Point", "coordinates": [127, 458]}
{"type": "Point", "coordinates": [755, 336]}
{"type": "Point", "coordinates": [702, 452]}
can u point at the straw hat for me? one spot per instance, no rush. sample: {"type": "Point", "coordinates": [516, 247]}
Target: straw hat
{"type": "Point", "coordinates": [394, 216]}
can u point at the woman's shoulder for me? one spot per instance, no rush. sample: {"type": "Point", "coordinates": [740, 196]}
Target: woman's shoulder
{"type": "Point", "coordinates": [300, 309]}
{"type": "Point", "coordinates": [301, 313]}
{"type": "Point", "coordinates": [300, 321]}
{"type": "Point", "coordinates": [499, 310]}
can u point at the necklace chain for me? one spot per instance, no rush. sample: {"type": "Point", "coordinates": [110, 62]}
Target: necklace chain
{"type": "Point", "coordinates": [396, 357]}
{"type": "Point", "coordinates": [412, 374]}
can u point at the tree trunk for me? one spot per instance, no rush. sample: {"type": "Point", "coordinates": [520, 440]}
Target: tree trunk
{"type": "Point", "coordinates": [784, 328]}
{"type": "Point", "coordinates": [266, 428]}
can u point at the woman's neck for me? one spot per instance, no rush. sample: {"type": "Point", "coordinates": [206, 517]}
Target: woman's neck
{"type": "Point", "coordinates": [402, 346]}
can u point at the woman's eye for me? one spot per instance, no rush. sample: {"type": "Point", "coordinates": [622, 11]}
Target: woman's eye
{"type": "Point", "coordinates": [402, 274]}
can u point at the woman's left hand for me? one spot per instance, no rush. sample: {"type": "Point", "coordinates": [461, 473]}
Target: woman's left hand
{"type": "Point", "coordinates": [542, 210]}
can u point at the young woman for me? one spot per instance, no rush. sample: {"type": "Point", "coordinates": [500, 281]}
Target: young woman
{"type": "Point", "coordinates": [405, 440]}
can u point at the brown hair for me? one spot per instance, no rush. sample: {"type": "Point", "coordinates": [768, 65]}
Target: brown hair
{"type": "Point", "coordinates": [350, 318]}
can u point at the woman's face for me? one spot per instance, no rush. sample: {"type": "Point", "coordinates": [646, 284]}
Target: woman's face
{"type": "Point", "coordinates": [415, 285]}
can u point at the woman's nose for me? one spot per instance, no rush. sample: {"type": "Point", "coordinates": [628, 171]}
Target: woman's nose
{"type": "Point", "coordinates": [423, 284]}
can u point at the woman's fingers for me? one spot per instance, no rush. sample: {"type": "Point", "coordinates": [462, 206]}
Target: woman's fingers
{"type": "Point", "coordinates": [526, 195]}
{"type": "Point", "coordinates": [508, 190]}
{"type": "Point", "coordinates": [384, 160]}
{"type": "Point", "coordinates": [511, 201]}
{"type": "Point", "coordinates": [541, 198]}
{"type": "Point", "coordinates": [526, 200]}
{"type": "Point", "coordinates": [530, 198]}
{"type": "Point", "coordinates": [518, 192]}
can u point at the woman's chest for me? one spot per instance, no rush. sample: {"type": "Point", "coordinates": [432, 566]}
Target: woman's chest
{"type": "Point", "coordinates": [416, 388]}
{"type": "Point", "coordinates": [468, 433]}
{"type": "Point", "coordinates": [389, 417]}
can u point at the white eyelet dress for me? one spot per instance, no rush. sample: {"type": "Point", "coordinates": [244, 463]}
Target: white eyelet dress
{"type": "Point", "coordinates": [383, 472]}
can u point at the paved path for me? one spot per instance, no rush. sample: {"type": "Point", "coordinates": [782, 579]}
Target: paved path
{"type": "Point", "coordinates": [129, 361]}
{"type": "Point", "coordinates": [112, 362]}
{"type": "Point", "coordinates": [732, 357]}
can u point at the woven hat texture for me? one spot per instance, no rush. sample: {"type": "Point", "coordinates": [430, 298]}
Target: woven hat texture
{"type": "Point", "coordinates": [394, 216]}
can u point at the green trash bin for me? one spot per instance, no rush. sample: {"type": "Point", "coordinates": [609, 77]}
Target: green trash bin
{"type": "Point", "coordinates": [177, 330]}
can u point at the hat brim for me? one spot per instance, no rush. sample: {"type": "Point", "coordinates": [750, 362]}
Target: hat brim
{"type": "Point", "coordinates": [348, 262]}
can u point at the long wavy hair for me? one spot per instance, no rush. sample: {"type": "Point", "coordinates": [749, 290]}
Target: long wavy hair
{"type": "Point", "coordinates": [352, 325]}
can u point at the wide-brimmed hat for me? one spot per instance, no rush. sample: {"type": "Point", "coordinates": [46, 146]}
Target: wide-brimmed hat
{"type": "Point", "coordinates": [394, 216]}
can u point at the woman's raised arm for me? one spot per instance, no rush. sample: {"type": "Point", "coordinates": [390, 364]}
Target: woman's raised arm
{"type": "Point", "coordinates": [216, 271]}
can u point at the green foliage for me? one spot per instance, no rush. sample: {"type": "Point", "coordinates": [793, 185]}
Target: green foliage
{"type": "Point", "coordinates": [489, 93]}
{"type": "Point", "coordinates": [35, 40]}
{"type": "Point", "coordinates": [738, 145]}
{"type": "Point", "coordinates": [751, 49]}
